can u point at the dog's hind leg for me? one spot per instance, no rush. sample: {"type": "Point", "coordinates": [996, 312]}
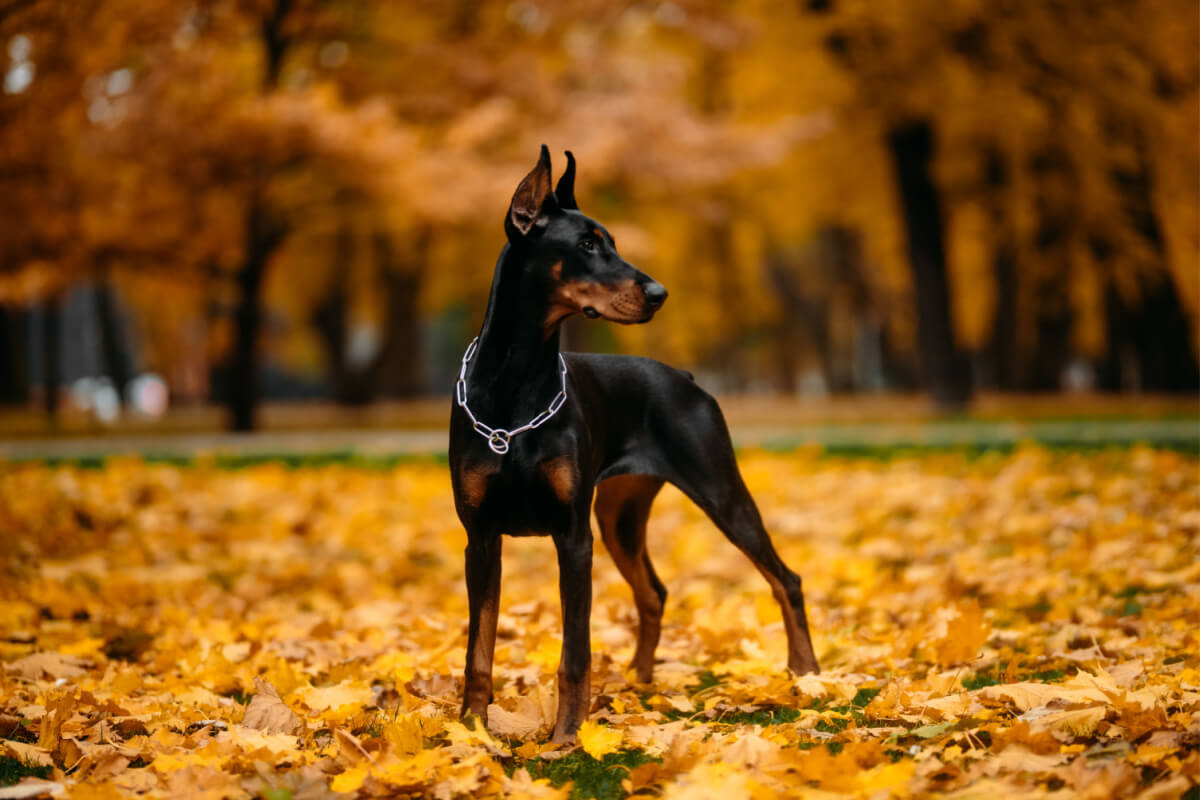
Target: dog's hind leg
{"type": "Point", "coordinates": [738, 518]}
{"type": "Point", "coordinates": [622, 507]}
{"type": "Point", "coordinates": [703, 466]}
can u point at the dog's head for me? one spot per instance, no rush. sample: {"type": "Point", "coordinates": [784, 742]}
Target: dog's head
{"type": "Point", "coordinates": [575, 254]}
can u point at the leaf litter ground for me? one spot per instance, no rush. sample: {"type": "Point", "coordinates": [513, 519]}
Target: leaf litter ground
{"type": "Point", "coordinates": [1008, 625]}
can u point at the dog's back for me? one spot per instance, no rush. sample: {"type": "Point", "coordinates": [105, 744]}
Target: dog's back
{"type": "Point", "coordinates": [652, 419]}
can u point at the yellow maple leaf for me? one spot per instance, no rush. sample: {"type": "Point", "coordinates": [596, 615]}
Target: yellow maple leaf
{"type": "Point", "coordinates": [404, 734]}
{"type": "Point", "coordinates": [599, 740]}
{"type": "Point", "coordinates": [958, 635]}
{"type": "Point", "coordinates": [351, 779]}
{"type": "Point", "coordinates": [476, 736]}
{"type": "Point", "coordinates": [891, 777]}
{"type": "Point", "coordinates": [521, 784]}
{"type": "Point", "coordinates": [277, 744]}
{"type": "Point", "coordinates": [336, 702]}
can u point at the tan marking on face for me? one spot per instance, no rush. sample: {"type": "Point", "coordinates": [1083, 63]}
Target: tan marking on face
{"type": "Point", "coordinates": [622, 302]}
{"type": "Point", "coordinates": [597, 232]}
{"type": "Point", "coordinates": [560, 474]}
{"type": "Point", "coordinates": [472, 484]}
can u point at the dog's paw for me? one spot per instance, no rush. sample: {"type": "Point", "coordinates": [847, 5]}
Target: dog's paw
{"type": "Point", "coordinates": [565, 738]}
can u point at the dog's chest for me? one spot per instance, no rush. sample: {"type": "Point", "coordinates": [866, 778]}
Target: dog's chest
{"type": "Point", "coordinates": [520, 498]}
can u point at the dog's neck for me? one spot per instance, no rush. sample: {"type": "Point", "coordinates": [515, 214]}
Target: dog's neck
{"type": "Point", "coordinates": [515, 368]}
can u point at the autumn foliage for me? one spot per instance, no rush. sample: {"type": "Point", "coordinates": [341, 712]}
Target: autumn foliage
{"type": "Point", "coordinates": [965, 190]}
{"type": "Point", "coordinates": [994, 626]}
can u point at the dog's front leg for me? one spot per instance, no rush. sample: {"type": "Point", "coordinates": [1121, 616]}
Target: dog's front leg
{"type": "Point", "coordinates": [483, 595]}
{"type": "Point", "coordinates": [575, 588]}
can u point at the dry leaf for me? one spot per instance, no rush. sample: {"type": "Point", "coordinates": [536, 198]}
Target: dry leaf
{"type": "Point", "coordinates": [268, 713]}
{"type": "Point", "coordinates": [41, 666]}
{"type": "Point", "coordinates": [1086, 683]}
{"type": "Point", "coordinates": [28, 753]}
{"type": "Point", "coordinates": [513, 723]}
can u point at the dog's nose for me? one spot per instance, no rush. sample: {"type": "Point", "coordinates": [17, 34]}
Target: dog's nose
{"type": "Point", "coordinates": [655, 294]}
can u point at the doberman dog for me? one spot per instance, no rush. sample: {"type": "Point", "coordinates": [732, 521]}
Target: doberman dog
{"type": "Point", "coordinates": [570, 425]}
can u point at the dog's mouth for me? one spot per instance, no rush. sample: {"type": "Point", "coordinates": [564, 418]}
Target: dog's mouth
{"type": "Point", "coordinates": [626, 304]}
{"type": "Point", "coordinates": [622, 316]}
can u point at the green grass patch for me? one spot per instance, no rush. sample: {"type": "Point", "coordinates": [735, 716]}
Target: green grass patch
{"type": "Point", "coordinates": [12, 770]}
{"type": "Point", "coordinates": [979, 680]}
{"type": "Point", "coordinates": [971, 438]}
{"type": "Point", "coordinates": [705, 680]}
{"type": "Point", "coordinates": [591, 778]}
{"type": "Point", "coordinates": [771, 715]}
{"type": "Point", "coordinates": [1132, 590]}
{"type": "Point", "coordinates": [1131, 609]}
{"type": "Point", "coordinates": [994, 676]}
{"type": "Point", "coordinates": [835, 725]}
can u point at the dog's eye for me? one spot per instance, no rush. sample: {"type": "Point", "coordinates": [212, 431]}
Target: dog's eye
{"type": "Point", "coordinates": [587, 245]}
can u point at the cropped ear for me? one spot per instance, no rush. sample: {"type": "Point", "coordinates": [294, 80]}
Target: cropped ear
{"type": "Point", "coordinates": [531, 200]}
{"type": "Point", "coordinates": [565, 191]}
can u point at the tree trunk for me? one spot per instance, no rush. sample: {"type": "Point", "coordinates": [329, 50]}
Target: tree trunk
{"type": "Point", "coordinates": [400, 367]}
{"type": "Point", "coordinates": [1000, 359]}
{"type": "Point", "coordinates": [14, 358]}
{"type": "Point", "coordinates": [275, 42]}
{"type": "Point", "coordinates": [1168, 362]}
{"type": "Point", "coordinates": [779, 268]}
{"type": "Point", "coordinates": [347, 386]}
{"type": "Point", "coordinates": [263, 235]}
{"type": "Point", "coordinates": [1002, 353]}
{"type": "Point", "coordinates": [51, 347]}
{"type": "Point", "coordinates": [1053, 351]}
{"type": "Point", "coordinates": [1160, 332]}
{"type": "Point", "coordinates": [261, 241]}
{"type": "Point", "coordinates": [729, 358]}
{"type": "Point", "coordinates": [116, 360]}
{"type": "Point", "coordinates": [944, 368]}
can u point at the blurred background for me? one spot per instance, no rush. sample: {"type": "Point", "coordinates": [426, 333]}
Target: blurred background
{"type": "Point", "coordinates": [240, 213]}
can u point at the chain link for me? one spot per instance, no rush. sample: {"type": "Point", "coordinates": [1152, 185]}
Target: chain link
{"type": "Point", "coordinates": [498, 438]}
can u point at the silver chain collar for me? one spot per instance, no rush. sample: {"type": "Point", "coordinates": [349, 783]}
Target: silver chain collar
{"type": "Point", "coordinates": [498, 438]}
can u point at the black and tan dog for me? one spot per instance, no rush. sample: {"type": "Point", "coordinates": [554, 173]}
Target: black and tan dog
{"type": "Point", "coordinates": [534, 433]}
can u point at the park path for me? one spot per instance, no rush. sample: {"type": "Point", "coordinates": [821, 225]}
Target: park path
{"type": "Point", "coordinates": [1180, 433]}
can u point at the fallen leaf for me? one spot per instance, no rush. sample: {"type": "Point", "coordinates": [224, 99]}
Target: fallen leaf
{"type": "Point", "coordinates": [32, 787]}
{"type": "Point", "coordinates": [28, 753]}
{"type": "Point", "coordinates": [513, 723]}
{"type": "Point", "coordinates": [40, 666]}
{"type": "Point", "coordinates": [345, 697]}
{"type": "Point", "coordinates": [599, 740]}
{"type": "Point", "coordinates": [1076, 722]}
{"type": "Point", "coordinates": [1026, 695]}
{"type": "Point", "coordinates": [268, 713]}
